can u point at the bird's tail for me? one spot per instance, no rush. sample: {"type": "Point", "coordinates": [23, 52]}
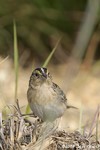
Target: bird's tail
{"type": "Point", "coordinates": [69, 106]}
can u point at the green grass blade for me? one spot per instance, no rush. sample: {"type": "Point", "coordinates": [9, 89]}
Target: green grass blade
{"type": "Point", "coordinates": [15, 59]}
{"type": "Point", "coordinates": [80, 120]}
{"type": "Point", "coordinates": [51, 54]}
{"type": "Point", "coordinates": [97, 125]}
{"type": "Point", "coordinates": [27, 111]}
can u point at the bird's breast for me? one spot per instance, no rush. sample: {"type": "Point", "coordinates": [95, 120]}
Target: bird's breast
{"type": "Point", "coordinates": [43, 95]}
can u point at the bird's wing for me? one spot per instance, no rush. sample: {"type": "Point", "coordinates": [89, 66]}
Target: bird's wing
{"type": "Point", "coordinates": [60, 94]}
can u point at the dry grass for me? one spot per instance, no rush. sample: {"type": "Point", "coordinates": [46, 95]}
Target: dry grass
{"type": "Point", "coordinates": [17, 132]}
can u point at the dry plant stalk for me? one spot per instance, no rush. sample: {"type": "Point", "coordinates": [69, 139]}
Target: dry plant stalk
{"type": "Point", "coordinates": [16, 132]}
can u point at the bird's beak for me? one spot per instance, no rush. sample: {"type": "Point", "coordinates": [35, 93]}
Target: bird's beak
{"type": "Point", "coordinates": [44, 75]}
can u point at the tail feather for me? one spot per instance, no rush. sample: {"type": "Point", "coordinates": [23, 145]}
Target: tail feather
{"type": "Point", "coordinates": [69, 106]}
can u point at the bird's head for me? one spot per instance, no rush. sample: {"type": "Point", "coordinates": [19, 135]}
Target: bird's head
{"type": "Point", "coordinates": [40, 76]}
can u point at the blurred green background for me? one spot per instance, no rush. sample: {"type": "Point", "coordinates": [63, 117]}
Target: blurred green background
{"type": "Point", "coordinates": [40, 23]}
{"type": "Point", "coordinates": [39, 26]}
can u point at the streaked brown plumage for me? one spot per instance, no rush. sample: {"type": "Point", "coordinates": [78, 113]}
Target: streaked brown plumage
{"type": "Point", "coordinates": [46, 99]}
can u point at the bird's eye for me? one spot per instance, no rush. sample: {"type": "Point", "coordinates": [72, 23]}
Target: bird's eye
{"type": "Point", "coordinates": [36, 74]}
